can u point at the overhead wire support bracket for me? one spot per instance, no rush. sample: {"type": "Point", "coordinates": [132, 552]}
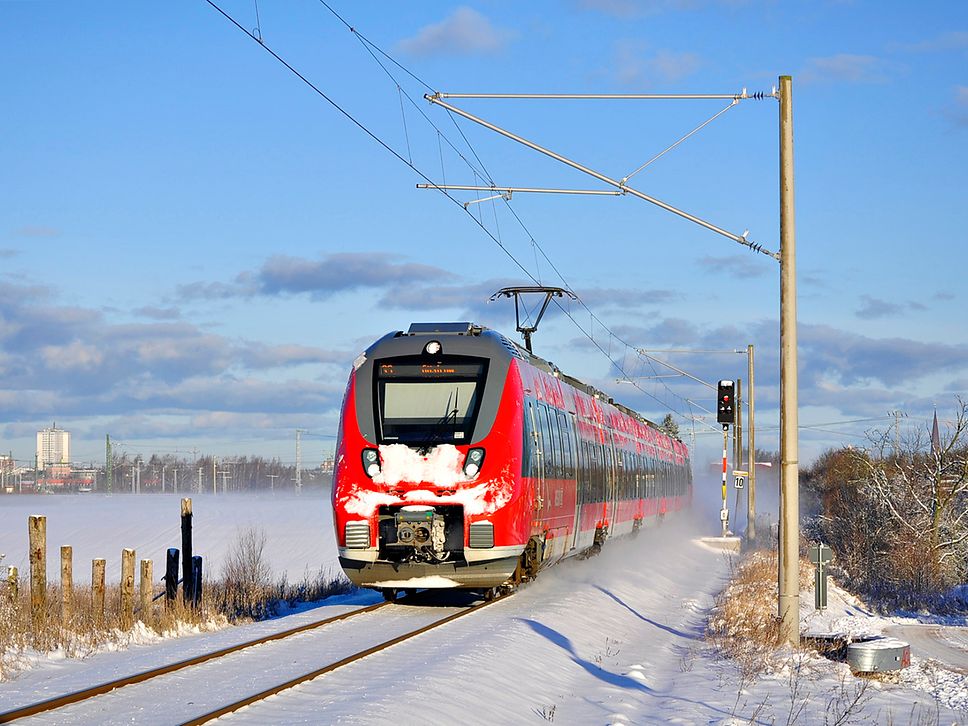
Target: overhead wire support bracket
{"type": "Point", "coordinates": [740, 239]}
{"type": "Point", "coordinates": [517, 190]}
{"type": "Point", "coordinates": [506, 196]}
{"type": "Point", "coordinates": [742, 95]}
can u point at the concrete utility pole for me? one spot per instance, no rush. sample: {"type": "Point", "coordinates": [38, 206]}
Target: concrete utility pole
{"type": "Point", "coordinates": [789, 584]}
{"type": "Point", "coordinates": [751, 452]}
{"type": "Point", "coordinates": [299, 433]}
{"type": "Point", "coordinates": [898, 415]}
{"type": "Point", "coordinates": [108, 464]}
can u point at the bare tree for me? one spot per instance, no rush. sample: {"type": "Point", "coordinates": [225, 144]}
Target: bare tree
{"type": "Point", "coordinates": [923, 488]}
{"type": "Point", "coordinates": [896, 513]}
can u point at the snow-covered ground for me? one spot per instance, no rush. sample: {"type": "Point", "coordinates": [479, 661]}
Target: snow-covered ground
{"type": "Point", "coordinates": [299, 529]}
{"type": "Point", "coordinates": [614, 639]}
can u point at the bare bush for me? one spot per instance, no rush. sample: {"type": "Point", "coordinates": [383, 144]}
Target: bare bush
{"type": "Point", "coordinates": [896, 514]}
{"type": "Point", "coordinates": [246, 587]}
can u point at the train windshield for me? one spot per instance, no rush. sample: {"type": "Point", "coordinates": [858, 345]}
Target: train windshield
{"type": "Point", "coordinates": [426, 403]}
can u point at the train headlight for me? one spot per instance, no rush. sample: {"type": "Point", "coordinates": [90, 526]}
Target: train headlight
{"type": "Point", "coordinates": [371, 462]}
{"type": "Point", "coordinates": [473, 462]}
{"type": "Point", "coordinates": [432, 348]}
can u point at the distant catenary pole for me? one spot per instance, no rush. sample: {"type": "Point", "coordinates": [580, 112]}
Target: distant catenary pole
{"type": "Point", "coordinates": [751, 456]}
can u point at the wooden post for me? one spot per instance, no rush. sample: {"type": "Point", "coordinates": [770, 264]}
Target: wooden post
{"type": "Point", "coordinates": [171, 576]}
{"type": "Point", "coordinates": [37, 528]}
{"type": "Point", "coordinates": [13, 585]}
{"type": "Point", "coordinates": [127, 588]}
{"type": "Point", "coordinates": [196, 581]}
{"type": "Point", "coordinates": [97, 590]}
{"type": "Point", "coordinates": [146, 591]}
{"type": "Point", "coordinates": [186, 532]}
{"type": "Point", "coordinates": [67, 584]}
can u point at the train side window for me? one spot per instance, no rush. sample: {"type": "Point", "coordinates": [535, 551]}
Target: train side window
{"type": "Point", "coordinates": [555, 436]}
{"type": "Point", "coordinates": [608, 472]}
{"type": "Point", "coordinates": [548, 444]}
{"type": "Point", "coordinates": [596, 474]}
{"type": "Point", "coordinates": [567, 459]}
{"type": "Point", "coordinates": [579, 461]}
{"type": "Point", "coordinates": [528, 447]}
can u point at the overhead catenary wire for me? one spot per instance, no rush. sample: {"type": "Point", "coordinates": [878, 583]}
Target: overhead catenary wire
{"type": "Point", "coordinates": [496, 239]}
{"type": "Point", "coordinates": [374, 49]}
{"type": "Point", "coordinates": [666, 150]}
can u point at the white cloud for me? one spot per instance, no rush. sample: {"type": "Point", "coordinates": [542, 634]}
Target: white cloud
{"type": "Point", "coordinates": [463, 32]}
{"type": "Point", "coordinates": [957, 111]}
{"type": "Point", "coordinates": [950, 40]}
{"type": "Point", "coordinates": [849, 68]}
{"type": "Point", "coordinates": [634, 67]}
{"type": "Point", "coordinates": [626, 9]}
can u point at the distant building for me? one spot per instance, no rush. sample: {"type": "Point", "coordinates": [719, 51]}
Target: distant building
{"type": "Point", "coordinates": [6, 474]}
{"type": "Point", "coordinates": [53, 447]}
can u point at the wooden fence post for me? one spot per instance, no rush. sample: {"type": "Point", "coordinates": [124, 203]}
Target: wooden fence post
{"type": "Point", "coordinates": [186, 532]}
{"type": "Point", "coordinates": [171, 577]}
{"type": "Point", "coordinates": [97, 590]}
{"type": "Point", "coordinates": [13, 585]}
{"type": "Point", "coordinates": [37, 529]}
{"type": "Point", "coordinates": [146, 591]}
{"type": "Point", "coordinates": [196, 581]}
{"type": "Point", "coordinates": [67, 584]}
{"type": "Point", "coordinates": [127, 588]}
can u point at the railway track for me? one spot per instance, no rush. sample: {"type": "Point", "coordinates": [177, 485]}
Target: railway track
{"type": "Point", "coordinates": [200, 713]}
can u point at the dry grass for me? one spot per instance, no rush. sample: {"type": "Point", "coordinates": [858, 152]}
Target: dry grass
{"type": "Point", "coordinates": [745, 628]}
{"type": "Point", "coordinates": [246, 591]}
{"type": "Point", "coordinates": [85, 631]}
{"type": "Point", "coordinates": [744, 624]}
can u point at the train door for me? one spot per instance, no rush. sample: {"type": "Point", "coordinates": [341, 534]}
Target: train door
{"type": "Point", "coordinates": [537, 457]}
{"type": "Point", "coordinates": [569, 437]}
{"type": "Point", "coordinates": [611, 484]}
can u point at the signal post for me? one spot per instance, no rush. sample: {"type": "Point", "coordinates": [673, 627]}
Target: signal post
{"type": "Point", "coordinates": [725, 414]}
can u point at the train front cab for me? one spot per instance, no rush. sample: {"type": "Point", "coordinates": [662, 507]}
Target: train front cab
{"type": "Point", "coordinates": [408, 400]}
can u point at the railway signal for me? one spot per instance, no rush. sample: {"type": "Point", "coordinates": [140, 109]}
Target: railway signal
{"type": "Point", "coordinates": [725, 413]}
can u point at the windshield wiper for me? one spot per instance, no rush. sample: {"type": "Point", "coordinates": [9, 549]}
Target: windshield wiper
{"type": "Point", "coordinates": [441, 423]}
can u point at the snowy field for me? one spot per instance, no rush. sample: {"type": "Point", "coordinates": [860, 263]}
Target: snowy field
{"type": "Point", "coordinates": [298, 529]}
{"type": "Point", "coordinates": [616, 639]}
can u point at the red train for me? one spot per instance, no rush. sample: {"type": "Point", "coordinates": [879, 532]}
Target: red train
{"type": "Point", "coordinates": [465, 461]}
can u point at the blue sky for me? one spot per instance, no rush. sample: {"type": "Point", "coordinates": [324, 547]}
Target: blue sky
{"type": "Point", "coordinates": [194, 245]}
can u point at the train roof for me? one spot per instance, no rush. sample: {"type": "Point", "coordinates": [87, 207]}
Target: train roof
{"type": "Point", "coordinates": [517, 351]}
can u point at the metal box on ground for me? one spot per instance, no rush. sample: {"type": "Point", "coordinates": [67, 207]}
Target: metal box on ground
{"type": "Point", "coordinates": [878, 656]}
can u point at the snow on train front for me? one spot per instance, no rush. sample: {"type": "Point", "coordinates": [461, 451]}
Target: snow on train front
{"type": "Point", "coordinates": [427, 491]}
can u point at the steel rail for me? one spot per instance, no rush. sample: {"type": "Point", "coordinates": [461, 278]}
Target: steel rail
{"type": "Point", "coordinates": [262, 695]}
{"type": "Point", "coordinates": [86, 693]}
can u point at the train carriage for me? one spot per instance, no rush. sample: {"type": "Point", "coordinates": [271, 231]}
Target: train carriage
{"type": "Point", "coordinates": [465, 461]}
